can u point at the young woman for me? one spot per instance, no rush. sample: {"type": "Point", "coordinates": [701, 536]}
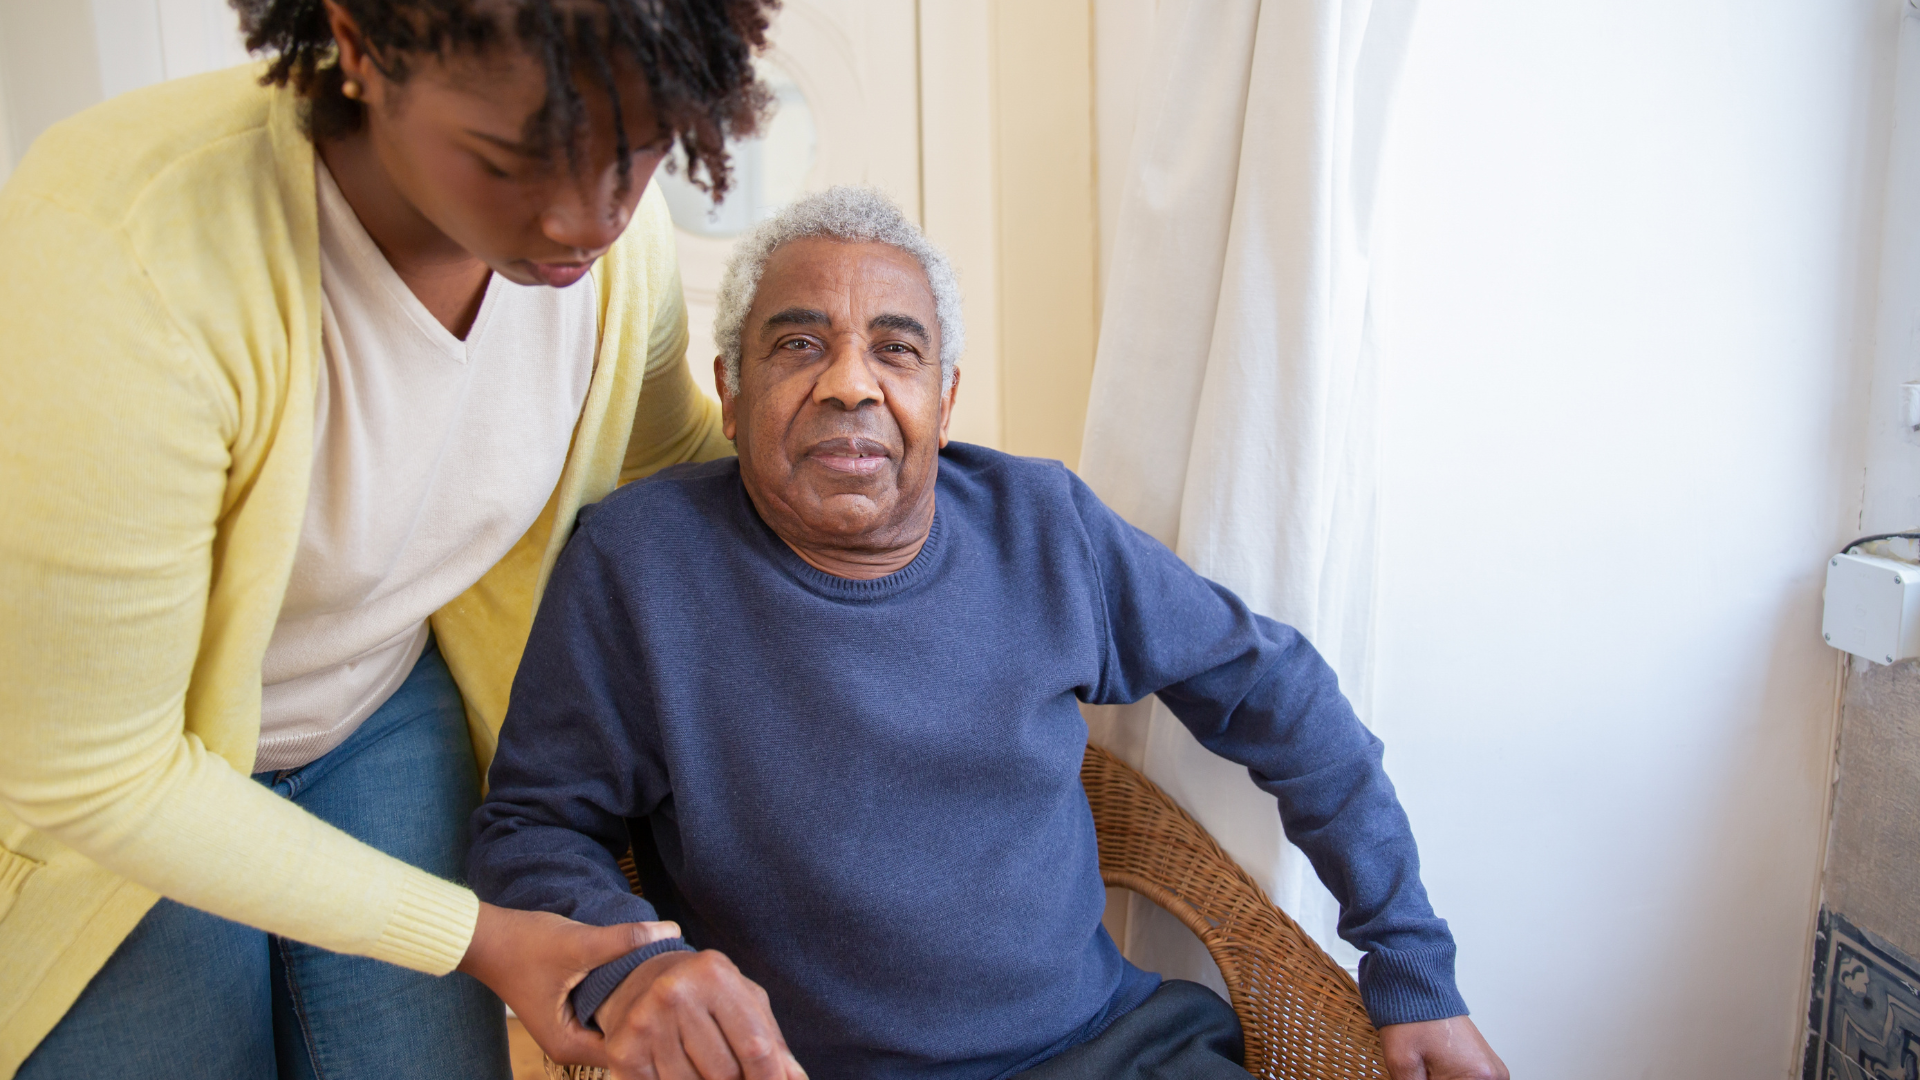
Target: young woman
{"type": "Point", "coordinates": [305, 381]}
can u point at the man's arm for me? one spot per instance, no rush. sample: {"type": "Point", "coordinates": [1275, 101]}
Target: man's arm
{"type": "Point", "coordinates": [571, 766]}
{"type": "Point", "coordinates": [1257, 693]}
{"type": "Point", "coordinates": [576, 759]}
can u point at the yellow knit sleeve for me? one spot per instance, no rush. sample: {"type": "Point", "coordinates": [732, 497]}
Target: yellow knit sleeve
{"type": "Point", "coordinates": [674, 421]}
{"type": "Point", "coordinates": [116, 435]}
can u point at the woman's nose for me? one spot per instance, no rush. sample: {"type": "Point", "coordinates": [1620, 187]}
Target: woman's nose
{"type": "Point", "coordinates": [585, 224]}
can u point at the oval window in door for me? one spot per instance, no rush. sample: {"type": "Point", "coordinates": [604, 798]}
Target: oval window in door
{"type": "Point", "coordinates": [769, 170]}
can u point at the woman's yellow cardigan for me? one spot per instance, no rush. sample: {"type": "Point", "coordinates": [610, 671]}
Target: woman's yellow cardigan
{"type": "Point", "coordinates": [159, 336]}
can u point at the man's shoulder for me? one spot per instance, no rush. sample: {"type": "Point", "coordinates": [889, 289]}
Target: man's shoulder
{"type": "Point", "coordinates": [667, 504]}
{"type": "Point", "coordinates": [966, 465]}
{"type": "Point", "coordinates": [1000, 483]}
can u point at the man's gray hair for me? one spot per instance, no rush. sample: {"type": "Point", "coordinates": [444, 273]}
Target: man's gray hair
{"type": "Point", "coordinates": [845, 212]}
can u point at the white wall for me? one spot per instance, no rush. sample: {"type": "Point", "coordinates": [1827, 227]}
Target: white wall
{"type": "Point", "coordinates": [1628, 300]}
{"type": "Point", "coordinates": [49, 68]}
{"type": "Point", "coordinates": [60, 56]}
{"type": "Point", "coordinates": [1892, 490]}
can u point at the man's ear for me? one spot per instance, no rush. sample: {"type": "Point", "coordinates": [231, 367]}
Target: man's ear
{"type": "Point", "coordinates": [946, 407]}
{"type": "Point", "coordinates": [726, 397]}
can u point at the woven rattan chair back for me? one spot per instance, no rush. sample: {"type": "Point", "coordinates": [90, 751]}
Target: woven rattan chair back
{"type": "Point", "coordinates": [1299, 1011]}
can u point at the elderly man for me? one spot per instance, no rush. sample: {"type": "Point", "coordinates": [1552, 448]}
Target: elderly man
{"type": "Point", "coordinates": [829, 691]}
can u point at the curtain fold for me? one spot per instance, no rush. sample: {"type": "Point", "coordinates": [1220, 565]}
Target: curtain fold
{"type": "Point", "coordinates": [1234, 408]}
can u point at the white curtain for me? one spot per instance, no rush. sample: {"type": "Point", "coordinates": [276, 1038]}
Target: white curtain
{"type": "Point", "coordinates": [1234, 407]}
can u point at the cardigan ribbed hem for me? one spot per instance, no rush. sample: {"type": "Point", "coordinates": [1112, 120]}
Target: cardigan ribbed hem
{"type": "Point", "coordinates": [594, 990]}
{"type": "Point", "coordinates": [431, 928]}
{"type": "Point", "coordinates": [1407, 986]}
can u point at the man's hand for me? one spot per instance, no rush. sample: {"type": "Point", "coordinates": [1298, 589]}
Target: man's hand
{"type": "Point", "coordinates": [1440, 1050]}
{"type": "Point", "coordinates": [683, 1015]}
{"type": "Point", "coordinates": [534, 959]}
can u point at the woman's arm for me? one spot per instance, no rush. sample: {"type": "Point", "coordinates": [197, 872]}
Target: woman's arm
{"type": "Point", "coordinates": [118, 436]}
{"type": "Point", "coordinates": [674, 422]}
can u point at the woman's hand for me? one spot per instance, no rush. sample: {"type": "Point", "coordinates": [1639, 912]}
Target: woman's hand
{"type": "Point", "coordinates": [683, 1015]}
{"type": "Point", "coordinates": [534, 959]}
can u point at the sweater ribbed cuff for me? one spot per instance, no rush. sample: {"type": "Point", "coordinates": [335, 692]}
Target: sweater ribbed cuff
{"type": "Point", "coordinates": [600, 982]}
{"type": "Point", "coordinates": [432, 926]}
{"type": "Point", "coordinates": [1407, 986]}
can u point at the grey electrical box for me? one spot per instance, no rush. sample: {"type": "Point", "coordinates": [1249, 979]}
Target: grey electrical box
{"type": "Point", "coordinates": [1873, 607]}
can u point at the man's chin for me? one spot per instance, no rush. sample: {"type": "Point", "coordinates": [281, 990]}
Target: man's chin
{"type": "Point", "coordinates": [868, 503]}
{"type": "Point", "coordinates": [846, 518]}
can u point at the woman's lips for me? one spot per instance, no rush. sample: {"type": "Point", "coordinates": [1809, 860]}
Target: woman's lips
{"type": "Point", "coordinates": [559, 275]}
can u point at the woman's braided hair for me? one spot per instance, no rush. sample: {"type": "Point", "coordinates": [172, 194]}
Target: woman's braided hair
{"type": "Point", "coordinates": [696, 54]}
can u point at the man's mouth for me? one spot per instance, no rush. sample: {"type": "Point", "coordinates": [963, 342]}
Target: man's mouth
{"type": "Point", "coordinates": [856, 457]}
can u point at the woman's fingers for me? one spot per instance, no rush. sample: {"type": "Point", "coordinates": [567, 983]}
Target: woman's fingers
{"type": "Point", "coordinates": [597, 945]}
{"type": "Point", "coordinates": [533, 960]}
{"type": "Point", "coordinates": [571, 1044]}
{"type": "Point", "coordinates": [646, 933]}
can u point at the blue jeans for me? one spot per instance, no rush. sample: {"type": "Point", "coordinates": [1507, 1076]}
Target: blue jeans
{"type": "Point", "coordinates": [191, 994]}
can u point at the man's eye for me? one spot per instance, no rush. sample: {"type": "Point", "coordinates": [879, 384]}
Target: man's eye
{"type": "Point", "coordinates": [492, 170]}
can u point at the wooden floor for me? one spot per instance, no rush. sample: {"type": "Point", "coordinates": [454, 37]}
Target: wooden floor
{"type": "Point", "coordinates": [526, 1056]}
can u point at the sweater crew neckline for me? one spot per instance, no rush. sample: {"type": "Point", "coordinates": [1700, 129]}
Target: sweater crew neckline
{"type": "Point", "coordinates": [816, 580]}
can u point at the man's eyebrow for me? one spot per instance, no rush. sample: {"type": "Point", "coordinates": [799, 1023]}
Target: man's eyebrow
{"type": "Point", "coordinates": [796, 316]}
{"type": "Point", "coordinates": [905, 324]}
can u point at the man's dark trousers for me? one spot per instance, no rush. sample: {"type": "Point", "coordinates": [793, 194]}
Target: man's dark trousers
{"type": "Point", "coordinates": [1183, 1032]}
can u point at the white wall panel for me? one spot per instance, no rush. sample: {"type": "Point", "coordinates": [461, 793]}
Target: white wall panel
{"type": "Point", "coordinates": [50, 62]}
{"type": "Point", "coordinates": [1628, 299]}
{"type": "Point", "coordinates": [126, 37]}
{"type": "Point", "coordinates": [58, 57]}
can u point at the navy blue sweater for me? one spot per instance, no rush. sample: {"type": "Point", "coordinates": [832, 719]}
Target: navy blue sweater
{"type": "Point", "coordinates": [867, 793]}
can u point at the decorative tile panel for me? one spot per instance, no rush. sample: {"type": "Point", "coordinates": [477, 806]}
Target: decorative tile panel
{"type": "Point", "coordinates": [1863, 1022]}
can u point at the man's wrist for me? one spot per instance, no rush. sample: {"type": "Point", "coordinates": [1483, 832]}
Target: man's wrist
{"type": "Point", "coordinates": [601, 982]}
{"type": "Point", "coordinates": [1408, 986]}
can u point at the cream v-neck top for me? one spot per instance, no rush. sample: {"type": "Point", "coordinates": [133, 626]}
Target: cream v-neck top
{"type": "Point", "coordinates": [432, 457]}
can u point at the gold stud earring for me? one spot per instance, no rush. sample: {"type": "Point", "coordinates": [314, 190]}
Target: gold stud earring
{"type": "Point", "coordinates": [351, 88]}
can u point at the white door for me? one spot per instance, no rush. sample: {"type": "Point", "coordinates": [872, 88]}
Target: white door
{"type": "Point", "coordinates": [845, 75]}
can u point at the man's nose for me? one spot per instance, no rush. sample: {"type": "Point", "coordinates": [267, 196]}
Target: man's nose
{"type": "Point", "coordinates": [585, 220]}
{"type": "Point", "coordinates": [848, 381]}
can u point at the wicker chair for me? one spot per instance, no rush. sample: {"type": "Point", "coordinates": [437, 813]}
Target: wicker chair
{"type": "Point", "coordinates": [1299, 1011]}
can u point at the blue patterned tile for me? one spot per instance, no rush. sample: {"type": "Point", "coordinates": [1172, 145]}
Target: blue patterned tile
{"type": "Point", "coordinates": [1863, 1022]}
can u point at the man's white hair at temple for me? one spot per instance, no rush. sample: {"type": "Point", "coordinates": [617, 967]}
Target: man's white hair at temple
{"type": "Point", "coordinates": [844, 212]}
